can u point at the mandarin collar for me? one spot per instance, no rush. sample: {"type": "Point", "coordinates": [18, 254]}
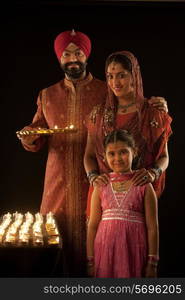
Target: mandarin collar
{"type": "Point", "coordinates": [82, 82]}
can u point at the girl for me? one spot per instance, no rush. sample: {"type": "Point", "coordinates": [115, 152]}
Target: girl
{"type": "Point", "coordinates": [122, 235]}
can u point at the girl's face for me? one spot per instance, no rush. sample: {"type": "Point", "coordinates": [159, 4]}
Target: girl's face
{"type": "Point", "coordinates": [119, 157]}
{"type": "Point", "coordinates": [119, 80]}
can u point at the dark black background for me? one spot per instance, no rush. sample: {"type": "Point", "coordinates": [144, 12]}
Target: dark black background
{"type": "Point", "coordinates": [154, 32]}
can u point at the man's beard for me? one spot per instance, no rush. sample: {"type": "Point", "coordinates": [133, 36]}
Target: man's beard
{"type": "Point", "coordinates": [74, 73]}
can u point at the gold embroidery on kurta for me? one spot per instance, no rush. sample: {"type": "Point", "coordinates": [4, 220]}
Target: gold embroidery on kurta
{"type": "Point", "coordinates": [74, 159]}
{"type": "Point", "coordinates": [43, 101]}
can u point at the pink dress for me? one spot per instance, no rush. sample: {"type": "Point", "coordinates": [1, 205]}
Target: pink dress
{"type": "Point", "coordinates": [121, 241]}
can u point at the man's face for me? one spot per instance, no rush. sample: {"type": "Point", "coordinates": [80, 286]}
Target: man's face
{"type": "Point", "coordinates": [73, 62]}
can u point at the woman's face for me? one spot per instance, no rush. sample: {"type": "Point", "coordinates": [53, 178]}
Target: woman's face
{"type": "Point", "coordinates": [119, 80]}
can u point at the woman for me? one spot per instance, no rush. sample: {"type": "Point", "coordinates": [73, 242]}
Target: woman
{"type": "Point", "coordinates": [126, 108]}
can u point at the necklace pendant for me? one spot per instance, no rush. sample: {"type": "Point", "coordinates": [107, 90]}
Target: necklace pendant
{"type": "Point", "coordinates": [124, 108]}
{"type": "Point", "coordinates": [119, 187]}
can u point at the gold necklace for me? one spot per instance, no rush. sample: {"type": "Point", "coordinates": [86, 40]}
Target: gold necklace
{"type": "Point", "coordinates": [124, 107]}
{"type": "Point", "coordinates": [121, 186]}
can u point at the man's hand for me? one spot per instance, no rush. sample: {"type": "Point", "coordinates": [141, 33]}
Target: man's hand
{"type": "Point", "coordinates": [30, 138]}
{"type": "Point", "coordinates": [159, 102]}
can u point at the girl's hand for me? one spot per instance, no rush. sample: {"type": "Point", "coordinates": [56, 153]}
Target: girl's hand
{"type": "Point", "coordinates": [150, 271]}
{"type": "Point", "coordinates": [90, 270]}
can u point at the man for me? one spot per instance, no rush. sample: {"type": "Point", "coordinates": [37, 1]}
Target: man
{"type": "Point", "coordinates": [62, 104]}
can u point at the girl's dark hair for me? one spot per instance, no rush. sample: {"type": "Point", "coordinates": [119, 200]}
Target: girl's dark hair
{"type": "Point", "coordinates": [121, 59]}
{"type": "Point", "coordinates": [120, 135]}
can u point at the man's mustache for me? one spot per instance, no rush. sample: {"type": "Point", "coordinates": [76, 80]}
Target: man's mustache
{"type": "Point", "coordinates": [73, 63]}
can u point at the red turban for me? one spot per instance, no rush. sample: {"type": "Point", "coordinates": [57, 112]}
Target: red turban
{"type": "Point", "coordinates": [78, 38]}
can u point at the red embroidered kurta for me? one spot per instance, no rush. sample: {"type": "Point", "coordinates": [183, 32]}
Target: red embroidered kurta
{"type": "Point", "coordinates": [66, 186]}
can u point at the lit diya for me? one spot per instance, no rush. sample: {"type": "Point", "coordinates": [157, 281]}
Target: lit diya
{"type": "Point", "coordinates": [52, 230]}
{"type": "Point", "coordinates": [47, 131]}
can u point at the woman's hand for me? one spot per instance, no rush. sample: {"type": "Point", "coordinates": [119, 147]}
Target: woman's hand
{"type": "Point", "coordinates": [143, 176]}
{"type": "Point", "coordinates": [159, 102]}
{"type": "Point", "coordinates": [100, 180]}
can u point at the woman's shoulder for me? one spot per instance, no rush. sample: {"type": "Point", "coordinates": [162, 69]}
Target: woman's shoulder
{"type": "Point", "coordinates": [156, 116]}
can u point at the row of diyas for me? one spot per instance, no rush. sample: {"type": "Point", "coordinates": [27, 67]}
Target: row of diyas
{"type": "Point", "coordinates": [47, 131]}
{"type": "Point", "coordinates": [17, 229]}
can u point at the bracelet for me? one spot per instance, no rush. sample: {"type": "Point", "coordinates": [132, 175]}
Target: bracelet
{"type": "Point", "coordinates": [157, 171]}
{"type": "Point", "coordinates": [153, 256]}
{"type": "Point", "coordinates": [92, 173]}
{"type": "Point", "coordinates": [153, 259]}
{"type": "Point", "coordinates": [92, 176]}
{"type": "Point", "coordinates": [152, 263]}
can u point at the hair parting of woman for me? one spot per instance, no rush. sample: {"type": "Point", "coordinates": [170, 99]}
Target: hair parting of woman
{"type": "Point", "coordinates": [121, 59]}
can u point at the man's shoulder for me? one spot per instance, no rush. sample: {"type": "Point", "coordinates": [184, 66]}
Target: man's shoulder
{"type": "Point", "coordinates": [98, 82]}
{"type": "Point", "coordinates": [54, 85]}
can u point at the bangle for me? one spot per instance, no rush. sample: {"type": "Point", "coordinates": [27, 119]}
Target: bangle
{"type": "Point", "coordinates": [152, 263]}
{"type": "Point", "coordinates": [91, 175]}
{"type": "Point", "coordinates": [157, 171]}
{"type": "Point", "coordinates": [153, 259]}
{"type": "Point", "coordinates": [153, 256]}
